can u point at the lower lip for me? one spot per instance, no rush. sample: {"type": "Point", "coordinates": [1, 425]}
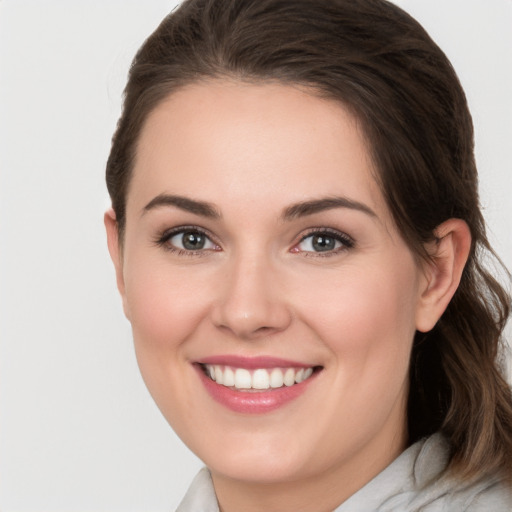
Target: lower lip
{"type": "Point", "coordinates": [254, 401]}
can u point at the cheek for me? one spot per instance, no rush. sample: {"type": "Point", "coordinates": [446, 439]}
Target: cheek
{"type": "Point", "coordinates": [366, 320]}
{"type": "Point", "coordinates": [366, 316]}
{"type": "Point", "coordinates": [164, 305]}
{"type": "Point", "coordinates": [165, 309]}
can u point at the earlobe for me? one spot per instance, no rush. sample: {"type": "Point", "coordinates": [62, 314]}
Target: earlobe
{"type": "Point", "coordinates": [114, 249]}
{"type": "Point", "coordinates": [443, 272]}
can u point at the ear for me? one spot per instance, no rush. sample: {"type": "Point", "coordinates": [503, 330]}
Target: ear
{"type": "Point", "coordinates": [449, 254]}
{"type": "Point", "coordinates": [116, 254]}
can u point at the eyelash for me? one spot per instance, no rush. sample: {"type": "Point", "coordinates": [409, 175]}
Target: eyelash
{"type": "Point", "coordinates": [163, 240]}
{"type": "Point", "coordinates": [347, 242]}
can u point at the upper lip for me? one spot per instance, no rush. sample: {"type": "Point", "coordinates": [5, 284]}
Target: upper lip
{"type": "Point", "coordinates": [252, 362]}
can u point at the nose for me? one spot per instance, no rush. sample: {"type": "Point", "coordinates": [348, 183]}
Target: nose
{"type": "Point", "coordinates": [251, 303]}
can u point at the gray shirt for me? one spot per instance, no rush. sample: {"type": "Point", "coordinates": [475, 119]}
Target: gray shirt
{"type": "Point", "coordinates": [410, 483]}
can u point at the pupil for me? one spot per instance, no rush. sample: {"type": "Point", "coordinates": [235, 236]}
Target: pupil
{"type": "Point", "coordinates": [323, 243]}
{"type": "Point", "coordinates": [193, 240]}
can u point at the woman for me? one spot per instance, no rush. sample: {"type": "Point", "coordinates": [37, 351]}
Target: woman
{"type": "Point", "coordinates": [298, 242]}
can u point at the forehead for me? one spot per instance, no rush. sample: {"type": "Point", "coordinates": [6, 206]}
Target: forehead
{"type": "Point", "coordinates": [253, 142]}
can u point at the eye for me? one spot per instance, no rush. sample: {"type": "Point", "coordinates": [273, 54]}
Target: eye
{"type": "Point", "coordinates": [187, 240]}
{"type": "Point", "coordinates": [324, 242]}
{"type": "Point", "coordinates": [191, 241]}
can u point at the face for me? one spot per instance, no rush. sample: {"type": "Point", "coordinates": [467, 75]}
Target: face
{"type": "Point", "coordinates": [272, 300]}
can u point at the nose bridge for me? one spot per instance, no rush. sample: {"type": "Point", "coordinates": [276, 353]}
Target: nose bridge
{"type": "Point", "coordinates": [251, 303]}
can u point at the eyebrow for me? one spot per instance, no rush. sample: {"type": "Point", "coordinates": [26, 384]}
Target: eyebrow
{"type": "Point", "coordinates": [305, 208]}
{"type": "Point", "coordinates": [297, 210]}
{"type": "Point", "coordinates": [201, 208]}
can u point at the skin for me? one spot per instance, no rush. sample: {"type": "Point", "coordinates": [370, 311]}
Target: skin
{"type": "Point", "coordinates": [259, 288]}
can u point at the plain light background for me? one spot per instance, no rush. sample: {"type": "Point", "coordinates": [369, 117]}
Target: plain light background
{"type": "Point", "coordinates": [78, 430]}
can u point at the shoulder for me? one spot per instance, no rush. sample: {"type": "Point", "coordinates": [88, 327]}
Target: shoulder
{"type": "Point", "coordinates": [416, 482]}
{"type": "Point", "coordinates": [487, 496]}
{"type": "Point", "coordinates": [437, 492]}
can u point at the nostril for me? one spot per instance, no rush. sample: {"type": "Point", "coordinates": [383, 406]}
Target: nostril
{"type": "Point", "coordinates": [263, 329]}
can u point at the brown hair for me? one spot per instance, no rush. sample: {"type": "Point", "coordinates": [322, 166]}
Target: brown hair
{"type": "Point", "coordinates": [379, 62]}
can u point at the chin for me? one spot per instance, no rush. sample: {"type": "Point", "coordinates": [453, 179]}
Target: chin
{"type": "Point", "coordinates": [258, 459]}
{"type": "Point", "coordinates": [257, 469]}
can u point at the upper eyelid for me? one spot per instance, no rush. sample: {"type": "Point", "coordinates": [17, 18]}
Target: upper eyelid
{"type": "Point", "coordinates": [169, 233]}
{"type": "Point", "coordinates": [329, 231]}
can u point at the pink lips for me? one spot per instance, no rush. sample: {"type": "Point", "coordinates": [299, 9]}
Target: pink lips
{"type": "Point", "coordinates": [252, 401]}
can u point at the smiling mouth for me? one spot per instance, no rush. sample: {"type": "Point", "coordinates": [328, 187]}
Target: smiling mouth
{"type": "Point", "coordinates": [259, 379]}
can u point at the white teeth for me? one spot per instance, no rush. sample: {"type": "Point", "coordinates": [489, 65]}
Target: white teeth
{"type": "Point", "coordinates": [262, 378]}
{"type": "Point", "coordinates": [276, 378]}
{"type": "Point", "coordinates": [289, 377]}
{"type": "Point", "coordinates": [242, 378]}
{"type": "Point", "coordinates": [229, 377]}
